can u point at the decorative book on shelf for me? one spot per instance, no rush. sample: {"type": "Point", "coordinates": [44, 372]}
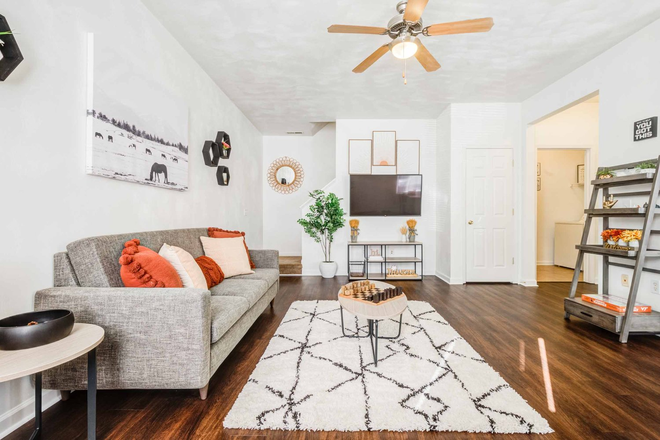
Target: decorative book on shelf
{"type": "Point", "coordinates": [615, 303]}
{"type": "Point", "coordinates": [626, 248]}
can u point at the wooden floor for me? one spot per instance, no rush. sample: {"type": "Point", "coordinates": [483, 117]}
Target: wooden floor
{"type": "Point", "coordinates": [601, 389]}
{"type": "Point", "coordinates": [545, 274]}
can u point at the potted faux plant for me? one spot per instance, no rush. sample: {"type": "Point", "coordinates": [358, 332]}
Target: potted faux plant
{"type": "Point", "coordinates": [404, 231]}
{"type": "Point", "coordinates": [631, 237]}
{"type": "Point", "coordinates": [605, 173]}
{"type": "Point", "coordinates": [412, 230]}
{"type": "Point", "coordinates": [324, 218]}
{"type": "Point", "coordinates": [646, 167]}
{"type": "Point", "coordinates": [355, 229]}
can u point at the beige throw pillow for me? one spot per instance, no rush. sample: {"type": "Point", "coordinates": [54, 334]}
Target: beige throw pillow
{"type": "Point", "coordinates": [229, 253]}
{"type": "Point", "coordinates": [186, 266]}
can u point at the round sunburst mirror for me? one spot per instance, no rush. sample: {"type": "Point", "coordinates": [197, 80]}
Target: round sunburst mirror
{"type": "Point", "coordinates": [285, 175]}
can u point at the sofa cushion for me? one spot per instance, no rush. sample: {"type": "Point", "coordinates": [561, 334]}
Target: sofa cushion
{"type": "Point", "coordinates": [95, 259]}
{"type": "Point", "coordinates": [229, 253]}
{"type": "Point", "coordinates": [142, 267]}
{"type": "Point", "coordinates": [211, 271]}
{"type": "Point", "coordinates": [270, 276]}
{"type": "Point", "coordinates": [225, 311]}
{"type": "Point", "coordinates": [251, 290]}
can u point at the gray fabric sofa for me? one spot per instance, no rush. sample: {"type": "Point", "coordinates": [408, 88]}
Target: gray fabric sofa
{"type": "Point", "coordinates": [154, 338]}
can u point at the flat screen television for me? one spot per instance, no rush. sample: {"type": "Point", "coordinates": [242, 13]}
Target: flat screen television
{"type": "Point", "coordinates": [386, 195]}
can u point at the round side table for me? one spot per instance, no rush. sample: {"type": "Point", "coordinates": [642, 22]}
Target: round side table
{"type": "Point", "coordinates": [84, 339]}
{"type": "Point", "coordinates": [373, 313]}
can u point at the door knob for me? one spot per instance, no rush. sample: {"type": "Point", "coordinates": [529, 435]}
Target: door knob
{"type": "Point", "coordinates": [470, 222]}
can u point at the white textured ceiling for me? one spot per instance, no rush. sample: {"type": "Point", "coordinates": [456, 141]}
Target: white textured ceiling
{"type": "Point", "coordinates": [277, 62]}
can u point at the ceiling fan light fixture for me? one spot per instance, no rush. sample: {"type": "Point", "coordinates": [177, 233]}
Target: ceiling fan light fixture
{"type": "Point", "coordinates": [404, 47]}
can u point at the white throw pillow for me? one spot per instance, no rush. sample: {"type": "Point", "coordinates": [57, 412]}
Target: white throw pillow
{"type": "Point", "coordinates": [229, 253]}
{"type": "Point", "coordinates": [185, 265]}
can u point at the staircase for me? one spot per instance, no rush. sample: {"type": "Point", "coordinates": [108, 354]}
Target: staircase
{"type": "Point", "coordinates": [290, 265]}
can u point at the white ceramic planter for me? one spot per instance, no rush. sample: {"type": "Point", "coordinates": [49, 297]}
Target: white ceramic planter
{"type": "Point", "coordinates": [624, 172]}
{"type": "Point", "coordinates": [633, 243]}
{"type": "Point", "coordinates": [612, 242]}
{"type": "Point", "coordinates": [328, 269]}
{"type": "Point", "coordinates": [645, 170]}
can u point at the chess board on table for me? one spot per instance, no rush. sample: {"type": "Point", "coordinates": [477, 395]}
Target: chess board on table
{"type": "Point", "coordinates": [366, 291]}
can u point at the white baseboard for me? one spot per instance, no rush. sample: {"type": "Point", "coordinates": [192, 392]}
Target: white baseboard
{"type": "Point", "coordinates": [528, 283]}
{"type": "Point", "coordinates": [545, 263]}
{"type": "Point", "coordinates": [291, 275]}
{"type": "Point", "coordinates": [447, 279]}
{"type": "Point", "coordinates": [24, 412]}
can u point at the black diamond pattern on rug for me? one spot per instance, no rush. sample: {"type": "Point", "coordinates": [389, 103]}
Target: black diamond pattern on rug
{"type": "Point", "coordinates": [311, 377]}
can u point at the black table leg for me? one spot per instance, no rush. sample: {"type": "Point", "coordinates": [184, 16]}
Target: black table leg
{"type": "Point", "coordinates": [357, 334]}
{"type": "Point", "coordinates": [91, 395]}
{"type": "Point", "coordinates": [37, 407]}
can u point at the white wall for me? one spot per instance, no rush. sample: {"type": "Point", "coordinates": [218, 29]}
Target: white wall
{"type": "Point", "coordinates": [494, 125]}
{"type": "Point", "coordinates": [625, 78]}
{"type": "Point", "coordinates": [49, 201]}
{"type": "Point", "coordinates": [443, 195]}
{"type": "Point", "coordinates": [316, 154]}
{"type": "Point", "coordinates": [380, 228]}
{"type": "Point", "coordinates": [560, 198]}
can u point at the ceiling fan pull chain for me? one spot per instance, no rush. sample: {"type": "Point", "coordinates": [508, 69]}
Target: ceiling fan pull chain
{"type": "Point", "coordinates": [405, 66]}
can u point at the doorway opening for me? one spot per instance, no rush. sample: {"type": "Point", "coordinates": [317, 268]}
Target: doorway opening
{"type": "Point", "coordinates": [567, 157]}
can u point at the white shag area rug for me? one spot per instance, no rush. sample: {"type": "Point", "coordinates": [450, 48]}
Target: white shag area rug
{"type": "Point", "coordinates": [430, 379]}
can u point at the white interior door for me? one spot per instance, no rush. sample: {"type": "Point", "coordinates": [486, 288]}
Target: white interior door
{"type": "Point", "coordinates": [489, 215]}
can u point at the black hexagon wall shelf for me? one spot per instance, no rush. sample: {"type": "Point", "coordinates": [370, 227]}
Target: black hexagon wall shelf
{"type": "Point", "coordinates": [223, 176]}
{"type": "Point", "coordinates": [221, 139]}
{"type": "Point", "coordinates": [211, 153]}
{"type": "Point", "coordinates": [11, 54]}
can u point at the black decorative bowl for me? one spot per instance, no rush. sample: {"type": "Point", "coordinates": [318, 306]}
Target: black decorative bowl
{"type": "Point", "coordinates": [51, 326]}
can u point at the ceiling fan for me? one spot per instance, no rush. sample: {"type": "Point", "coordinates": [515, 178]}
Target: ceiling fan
{"type": "Point", "coordinates": [404, 29]}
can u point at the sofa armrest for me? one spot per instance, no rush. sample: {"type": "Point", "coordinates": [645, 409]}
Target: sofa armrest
{"type": "Point", "coordinates": [265, 258]}
{"type": "Point", "coordinates": [154, 338]}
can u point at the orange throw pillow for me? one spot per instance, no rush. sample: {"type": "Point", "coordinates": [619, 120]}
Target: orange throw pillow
{"type": "Point", "coordinates": [142, 267]}
{"type": "Point", "coordinates": [211, 270]}
{"type": "Point", "coordinates": [223, 233]}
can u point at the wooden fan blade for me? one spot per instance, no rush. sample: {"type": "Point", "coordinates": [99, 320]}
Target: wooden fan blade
{"type": "Point", "coordinates": [414, 10]}
{"type": "Point", "coordinates": [460, 27]}
{"type": "Point", "coordinates": [348, 29]}
{"type": "Point", "coordinates": [428, 61]}
{"type": "Point", "coordinates": [364, 65]}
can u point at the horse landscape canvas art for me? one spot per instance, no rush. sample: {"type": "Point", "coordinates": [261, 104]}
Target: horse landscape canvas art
{"type": "Point", "coordinates": [136, 130]}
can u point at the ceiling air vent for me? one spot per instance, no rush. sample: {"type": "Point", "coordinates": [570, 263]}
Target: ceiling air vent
{"type": "Point", "coordinates": [294, 132]}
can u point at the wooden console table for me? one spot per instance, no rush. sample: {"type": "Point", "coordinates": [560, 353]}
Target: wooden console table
{"type": "Point", "coordinates": [418, 258]}
{"type": "Point", "coordinates": [84, 339]}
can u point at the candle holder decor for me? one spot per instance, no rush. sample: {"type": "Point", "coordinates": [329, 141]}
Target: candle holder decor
{"type": "Point", "coordinates": [223, 176]}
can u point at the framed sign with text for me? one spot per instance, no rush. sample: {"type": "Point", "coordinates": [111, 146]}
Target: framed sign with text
{"type": "Point", "coordinates": [646, 129]}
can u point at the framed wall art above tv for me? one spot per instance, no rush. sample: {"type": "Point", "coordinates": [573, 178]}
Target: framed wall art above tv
{"type": "Point", "coordinates": [383, 154]}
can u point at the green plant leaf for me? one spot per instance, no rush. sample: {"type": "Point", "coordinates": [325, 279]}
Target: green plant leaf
{"type": "Point", "coordinates": [325, 217]}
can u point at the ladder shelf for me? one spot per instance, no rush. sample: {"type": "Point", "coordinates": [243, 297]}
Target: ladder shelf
{"type": "Point", "coordinates": [628, 322]}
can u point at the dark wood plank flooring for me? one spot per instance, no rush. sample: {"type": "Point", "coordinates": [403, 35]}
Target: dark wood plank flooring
{"type": "Point", "coordinates": [601, 389]}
